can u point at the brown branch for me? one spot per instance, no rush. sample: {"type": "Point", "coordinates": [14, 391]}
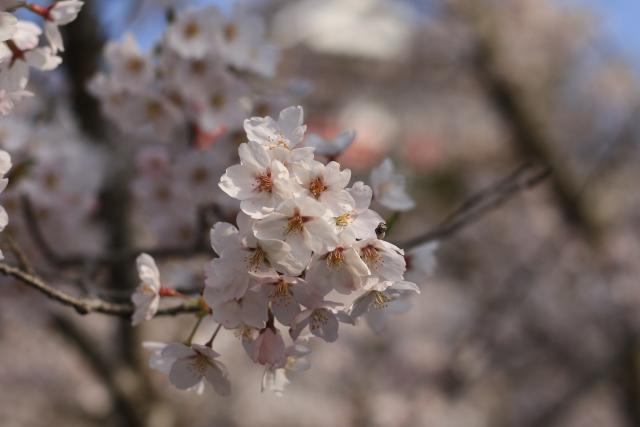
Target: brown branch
{"type": "Point", "coordinates": [523, 178]}
{"type": "Point", "coordinates": [90, 305]}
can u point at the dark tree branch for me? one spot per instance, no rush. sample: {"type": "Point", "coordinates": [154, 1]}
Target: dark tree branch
{"type": "Point", "coordinates": [525, 177]}
{"type": "Point", "coordinates": [90, 305]}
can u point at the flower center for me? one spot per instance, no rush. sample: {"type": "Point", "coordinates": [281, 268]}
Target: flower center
{"type": "Point", "coordinates": [217, 101]}
{"type": "Point", "coordinates": [343, 220]}
{"type": "Point", "coordinates": [198, 67]}
{"type": "Point", "coordinates": [51, 181]}
{"type": "Point", "coordinates": [162, 193]}
{"type": "Point", "coordinates": [257, 258]}
{"type": "Point", "coordinates": [199, 363]}
{"type": "Point", "coordinates": [191, 30]}
{"type": "Point", "coordinates": [281, 293]}
{"type": "Point", "coordinates": [199, 175]}
{"type": "Point", "coordinates": [295, 224]}
{"type": "Point", "coordinates": [230, 32]}
{"type": "Point", "coordinates": [319, 318]}
{"type": "Point", "coordinates": [264, 182]}
{"type": "Point", "coordinates": [335, 258]}
{"type": "Point", "coordinates": [370, 255]}
{"type": "Point", "coordinates": [317, 187]}
{"type": "Point", "coordinates": [135, 65]}
{"type": "Point", "coordinates": [380, 299]}
{"type": "Point", "coordinates": [154, 110]}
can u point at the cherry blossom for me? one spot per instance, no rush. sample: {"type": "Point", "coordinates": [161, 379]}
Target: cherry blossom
{"type": "Point", "coordinates": [195, 363]}
{"type": "Point", "coordinates": [146, 298]}
{"type": "Point", "coordinates": [5, 165]}
{"type": "Point", "coordinates": [286, 132]}
{"type": "Point", "coordinates": [331, 148]}
{"type": "Point", "coordinates": [258, 181]}
{"type": "Point", "coordinates": [389, 188]}
{"type": "Point", "coordinates": [58, 14]}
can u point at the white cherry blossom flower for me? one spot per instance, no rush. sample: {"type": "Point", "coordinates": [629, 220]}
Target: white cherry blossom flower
{"type": "Point", "coordinates": [284, 295]}
{"type": "Point", "coordinates": [360, 221]}
{"type": "Point", "coordinates": [300, 223]}
{"type": "Point", "coordinates": [146, 298]}
{"type": "Point", "coordinates": [389, 187]}
{"type": "Point", "coordinates": [341, 268]}
{"type": "Point", "coordinates": [286, 132]}
{"type": "Point", "coordinates": [421, 261]}
{"type": "Point", "coordinates": [230, 276]}
{"type": "Point", "coordinates": [320, 316]}
{"type": "Point", "coordinates": [259, 182]}
{"type": "Point", "coordinates": [163, 363]}
{"type": "Point", "coordinates": [250, 310]}
{"type": "Point", "coordinates": [275, 379]}
{"type": "Point", "coordinates": [385, 260]}
{"type": "Point", "coordinates": [331, 148]}
{"type": "Point", "coordinates": [385, 297]}
{"type": "Point", "coordinates": [195, 363]}
{"type": "Point", "coordinates": [130, 68]}
{"type": "Point", "coordinates": [58, 14]}
{"type": "Point", "coordinates": [193, 32]}
{"type": "Point", "coordinates": [5, 165]}
{"type": "Point", "coordinates": [326, 184]}
{"type": "Point", "coordinates": [8, 26]}
{"type": "Point", "coordinates": [269, 348]}
{"type": "Point", "coordinates": [243, 45]}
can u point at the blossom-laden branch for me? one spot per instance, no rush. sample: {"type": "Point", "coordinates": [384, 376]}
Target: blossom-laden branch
{"type": "Point", "coordinates": [85, 305]}
{"type": "Point", "coordinates": [523, 178]}
{"type": "Point", "coordinates": [470, 211]}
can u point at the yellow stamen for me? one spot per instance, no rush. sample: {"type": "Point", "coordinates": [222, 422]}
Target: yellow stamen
{"type": "Point", "coordinates": [380, 299]}
{"type": "Point", "coordinates": [264, 182]}
{"type": "Point", "coordinates": [335, 258]}
{"type": "Point", "coordinates": [343, 220]}
{"type": "Point", "coordinates": [295, 223]}
{"type": "Point", "coordinates": [317, 187]}
{"type": "Point", "coordinates": [370, 255]}
{"type": "Point", "coordinates": [319, 318]}
{"type": "Point", "coordinates": [257, 258]}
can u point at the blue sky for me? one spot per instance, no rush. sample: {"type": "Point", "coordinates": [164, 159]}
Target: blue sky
{"type": "Point", "coordinates": [620, 22]}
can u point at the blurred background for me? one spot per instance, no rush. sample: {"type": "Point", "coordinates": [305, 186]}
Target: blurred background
{"type": "Point", "coordinates": [531, 316]}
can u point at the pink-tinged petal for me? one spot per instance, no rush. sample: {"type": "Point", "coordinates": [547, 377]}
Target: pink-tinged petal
{"type": "Point", "coordinates": [217, 375]}
{"type": "Point", "coordinates": [403, 285]}
{"type": "Point", "coordinates": [223, 235]}
{"type": "Point", "coordinates": [254, 309]}
{"type": "Point", "coordinates": [238, 182]}
{"type": "Point", "coordinates": [184, 373]}
{"type": "Point", "coordinates": [272, 227]}
{"type": "Point", "coordinates": [361, 194]}
{"type": "Point", "coordinates": [361, 305]}
{"type": "Point", "coordinates": [327, 327]}
{"type": "Point", "coordinates": [228, 313]}
{"type": "Point", "coordinates": [205, 351]}
{"type": "Point", "coordinates": [269, 349]}
{"type": "Point", "coordinates": [177, 351]}
{"type": "Point", "coordinates": [299, 323]}
{"type": "Point", "coordinates": [255, 155]}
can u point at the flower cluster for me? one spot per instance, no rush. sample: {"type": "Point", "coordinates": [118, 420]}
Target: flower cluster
{"type": "Point", "coordinates": [202, 73]}
{"type": "Point", "coordinates": [304, 257]}
{"type": "Point", "coordinates": [20, 48]}
{"type": "Point", "coordinates": [5, 165]}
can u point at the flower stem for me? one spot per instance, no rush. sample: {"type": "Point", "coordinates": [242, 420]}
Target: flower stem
{"type": "Point", "coordinates": [213, 337]}
{"type": "Point", "coordinates": [193, 331]}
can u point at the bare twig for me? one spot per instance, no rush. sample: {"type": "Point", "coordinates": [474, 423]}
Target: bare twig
{"type": "Point", "coordinates": [90, 305]}
{"type": "Point", "coordinates": [523, 178]}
